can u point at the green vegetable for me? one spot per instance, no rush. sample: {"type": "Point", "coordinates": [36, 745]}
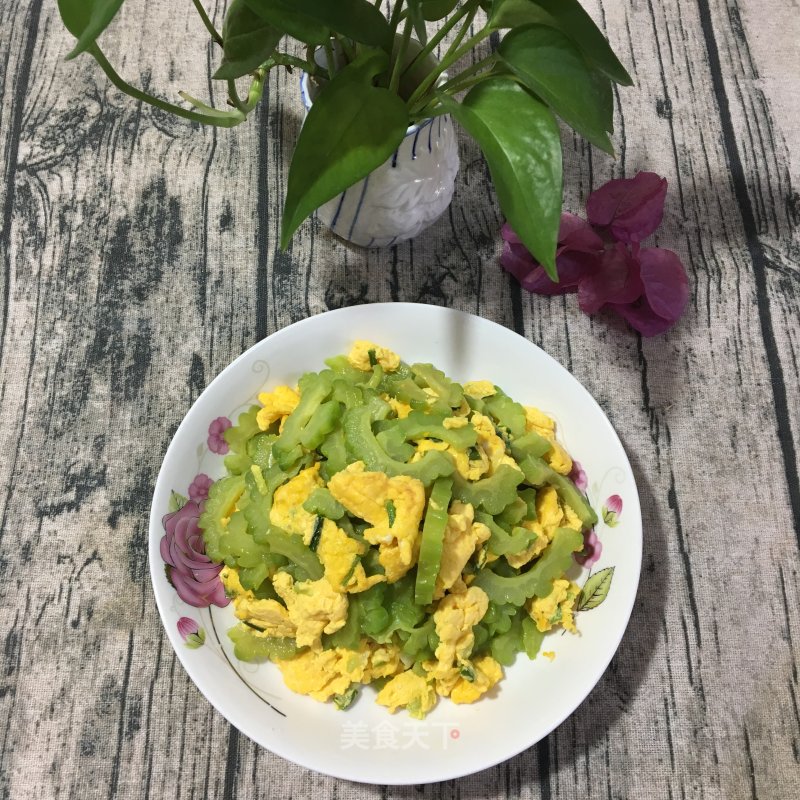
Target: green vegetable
{"type": "Point", "coordinates": [314, 390]}
{"type": "Point", "coordinates": [506, 412]}
{"type": "Point", "coordinates": [291, 546]}
{"type": "Point", "coordinates": [345, 700]}
{"type": "Point", "coordinates": [316, 534]}
{"type": "Point", "coordinates": [349, 636]}
{"type": "Point", "coordinates": [430, 552]}
{"type": "Point", "coordinates": [374, 618]}
{"type": "Point", "coordinates": [322, 423]}
{"type": "Point", "coordinates": [538, 580]}
{"type": "Point", "coordinates": [448, 391]}
{"type": "Point", "coordinates": [537, 473]}
{"type": "Point", "coordinates": [418, 425]}
{"type": "Point", "coordinates": [492, 494]}
{"type": "Point", "coordinates": [530, 444]}
{"type": "Point", "coordinates": [365, 447]}
{"type": "Point", "coordinates": [335, 452]}
{"type": "Point", "coordinates": [222, 498]}
{"type": "Point", "coordinates": [513, 513]}
{"type": "Point", "coordinates": [251, 648]}
{"type": "Point", "coordinates": [391, 512]}
{"type": "Point", "coordinates": [505, 646]}
{"type": "Point", "coordinates": [322, 502]}
{"type": "Point", "coordinates": [532, 637]}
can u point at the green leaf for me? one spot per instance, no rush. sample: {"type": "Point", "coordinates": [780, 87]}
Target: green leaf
{"type": "Point", "coordinates": [358, 19]}
{"type": "Point", "coordinates": [86, 20]}
{"type": "Point", "coordinates": [287, 17]}
{"type": "Point", "coordinates": [351, 129]}
{"type": "Point", "coordinates": [571, 19]}
{"type": "Point", "coordinates": [195, 640]}
{"type": "Point", "coordinates": [550, 65]}
{"type": "Point", "coordinates": [247, 41]}
{"type": "Point", "coordinates": [176, 502]}
{"type": "Point", "coordinates": [595, 589]}
{"type": "Point", "coordinates": [520, 140]}
{"type": "Point", "coordinates": [433, 10]}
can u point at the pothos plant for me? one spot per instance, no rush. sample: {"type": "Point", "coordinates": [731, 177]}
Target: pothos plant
{"type": "Point", "coordinates": [376, 76]}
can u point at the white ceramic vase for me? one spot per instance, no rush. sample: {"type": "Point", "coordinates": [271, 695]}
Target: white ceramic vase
{"type": "Point", "coordinates": [404, 195]}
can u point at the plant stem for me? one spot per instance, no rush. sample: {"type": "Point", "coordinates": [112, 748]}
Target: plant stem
{"type": "Point", "coordinates": [441, 33]}
{"type": "Point", "coordinates": [233, 97]}
{"type": "Point", "coordinates": [207, 22]}
{"type": "Point", "coordinates": [329, 59]}
{"type": "Point", "coordinates": [397, 67]}
{"type": "Point", "coordinates": [223, 119]}
{"type": "Point", "coordinates": [347, 47]}
{"type": "Point", "coordinates": [450, 58]}
{"type": "Point", "coordinates": [394, 20]}
{"type": "Point", "coordinates": [450, 85]}
{"type": "Point", "coordinates": [285, 60]}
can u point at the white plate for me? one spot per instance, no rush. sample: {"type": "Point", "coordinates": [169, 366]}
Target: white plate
{"type": "Point", "coordinates": [366, 743]}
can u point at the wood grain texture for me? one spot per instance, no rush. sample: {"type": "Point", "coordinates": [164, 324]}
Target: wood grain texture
{"type": "Point", "coordinates": [139, 256]}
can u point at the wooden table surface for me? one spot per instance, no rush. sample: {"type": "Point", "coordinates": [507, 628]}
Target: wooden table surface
{"type": "Point", "coordinates": [139, 255]}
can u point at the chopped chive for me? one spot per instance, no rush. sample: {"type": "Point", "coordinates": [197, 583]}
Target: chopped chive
{"type": "Point", "coordinates": [349, 574]}
{"type": "Point", "coordinates": [391, 512]}
{"type": "Point", "coordinates": [345, 699]}
{"type": "Point", "coordinates": [466, 672]}
{"type": "Point", "coordinates": [317, 534]}
{"type": "Point", "coordinates": [254, 627]}
{"type": "Point", "coordinates": [373, 359]}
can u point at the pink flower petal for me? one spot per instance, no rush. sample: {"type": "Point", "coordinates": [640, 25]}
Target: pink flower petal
{"type": "Point", "coordinates": [666, 285]}
{"type": "Point", "coordinates": [632, 208]}
{"type": "Point", "coordinates": [616, 281]}
{"type": "Point", "coordinates": [592, 548]}
{"type": "Point", "coordinates": [576, 234]}
{"type": "Point", "coordinates": [578, 476]}
{"type": "Point", "coordinates": [641, 317]}
{"type": "Point", "coordinates": [187, 626]}
{"type": "Point", "coordinates": [198, 488]}
{"type": "Point", "coordinates": [614, 504]}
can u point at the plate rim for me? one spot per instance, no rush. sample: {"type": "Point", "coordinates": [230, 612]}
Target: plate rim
{"type": "Point", "coordinates": [633, 508]}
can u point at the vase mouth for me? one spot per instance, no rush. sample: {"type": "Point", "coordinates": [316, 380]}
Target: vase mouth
{"type": "Point", "coordinates": [305, 96]}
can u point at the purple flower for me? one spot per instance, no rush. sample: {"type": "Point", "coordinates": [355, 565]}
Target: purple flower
{"type": "Point", "coordinates": [198, 488]}
{"type": "Point", "coordinates": [592, 547]}
{"type": "Point", "coordinates": [192, 573]}
{"type": "Point", "coordinates": [578, 476]}
{"type": "Point", "coordinates": [216, 438]}
{"type": "Point", "coordinates": [647, 287]}
{"type": "Point", "coordinates": [630, 208]}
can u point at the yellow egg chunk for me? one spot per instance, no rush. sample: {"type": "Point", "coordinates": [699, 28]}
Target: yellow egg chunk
{"type": "Point", "coordinates": [287, 510]}
{"type": "Point", "coordinates": [549, 654]}
{"type": "Point", "coordinates": [365, 495]}
{"type": "Point", "coordinates": [539, 422]}
{"type": "Point", "coordinates": [491, 443]}
{"type": "Point", "coordinates": [339, 556]}
{"type": "Point", "coordinates": [487, 673]}
{"type": "Point", "coordinates": [359, 356]}
{"type": "Point", "coordinates": [558, 458]}
{"type": "Point", "coordinates": [454, 619]}
{"type": "Point", "coordinates": [269, 616]}
{"type": "Point", "coordinates": [319, 674]}
{"type": "Point", "coordinates": [571, 519]}
{"type": "Point", "coordinates": [549, 516]}
{"type": "Point", "coordinates": [453, 423]}
{"type": "Point", "coordinates": [233, 586]}
{"type": "Point", "coordinates": [313, 606]}
{"type": "Point", "coordinates": [462, 537]}
{"type": "Point", "coordinates": [557, 608]}
{"type": "Point", "coordinates": [479, 389]}
{"type": "Point", "coordinates": [278, 403]}
{"type": "Point", "coordinates": [408, 690]}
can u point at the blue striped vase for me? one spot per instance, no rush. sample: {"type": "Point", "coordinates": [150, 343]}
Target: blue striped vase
{"type": "Point", "coordinates": [404, 195]}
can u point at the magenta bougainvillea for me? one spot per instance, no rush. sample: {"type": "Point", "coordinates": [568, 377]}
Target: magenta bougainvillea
{"type": "Point", "coordinates": [601, 258]}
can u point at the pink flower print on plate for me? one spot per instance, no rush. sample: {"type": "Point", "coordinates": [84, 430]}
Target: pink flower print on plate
{"type": "Point", "coordinates": [216, 437]}
{"type": "Point", "coordinates": [611, 510]}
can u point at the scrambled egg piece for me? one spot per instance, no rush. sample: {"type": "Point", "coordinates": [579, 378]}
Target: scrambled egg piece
{"type": "Point", "coordinates": [410, 690]}
{"type": "Point", "coordinates": [321, 674]}
{"type": "Point", "coordinates": [462, 537]}
{"type": "Point", "coordinates": [359, 356]}
{"type": "Point", "coordinates": [557, 608]}
{"type": "Point", "coordinates": [479, 389]}
{"type": "Point", "coordinates": [453, 423]}
{"type": "Point", "coordinates": [491, 444]}
{"type": "Point", "coordinates": [454, 619]}
{"type": "Point", "coordinates": [287, 510]}
{"type": "Point", "coordinates": [538, 421]}
{"type": "Point", "coordinates": [339, 555]}
{"type": "Point", "coordinates": [549, 654]}
{"type": "Point", "coordinates": [314, 607]}
{"type": "Point", "coordinates": [487, 672]}
{"type": "Point", "coordinates": [365, 495]}
{"type": "Point", "coordinates": [269, 616]}
{"type": "Point", "coordinates": [278, 404]}
{"type": "Point", "coordinates": [549, 516]}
